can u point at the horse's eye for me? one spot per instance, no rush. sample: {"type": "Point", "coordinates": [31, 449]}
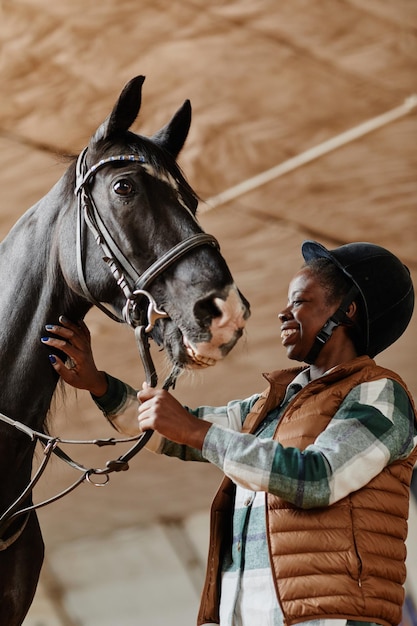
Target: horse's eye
{"type": "Point", "coordinates": [123, 187]}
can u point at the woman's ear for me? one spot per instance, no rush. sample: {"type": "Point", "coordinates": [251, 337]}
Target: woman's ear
{"type": "Point", "coordinates": [352, 311]}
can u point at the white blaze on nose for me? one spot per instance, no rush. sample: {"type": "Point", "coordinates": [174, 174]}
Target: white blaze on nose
{"type": "Point", "coordinates": [225, 329]}
{"type": "Point", "coordinates": [232, 314]}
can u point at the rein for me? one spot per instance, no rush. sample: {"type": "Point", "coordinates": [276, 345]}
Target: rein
{"type": "Point", "coordinates": [133, 285]}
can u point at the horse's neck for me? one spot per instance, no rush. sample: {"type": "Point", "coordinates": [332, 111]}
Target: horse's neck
{"type": "Point", "coordinates": [32, 292]}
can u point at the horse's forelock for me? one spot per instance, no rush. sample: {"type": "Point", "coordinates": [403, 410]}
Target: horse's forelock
{"type": "Point", "coordinates": [164, 164]}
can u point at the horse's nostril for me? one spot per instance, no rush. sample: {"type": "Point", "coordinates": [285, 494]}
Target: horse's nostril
{"type": "Point", "coordinates": [205, 310]}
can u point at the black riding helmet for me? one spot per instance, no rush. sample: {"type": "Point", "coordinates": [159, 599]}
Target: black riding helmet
{"type": "Point", "coordinates": [384, 285]}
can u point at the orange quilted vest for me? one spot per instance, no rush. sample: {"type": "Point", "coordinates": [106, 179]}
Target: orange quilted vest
{"type": "Point", "coordinates": [342, 561]}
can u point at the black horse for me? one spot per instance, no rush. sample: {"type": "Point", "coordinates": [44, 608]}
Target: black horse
{"type": "Point", "coordinates": [118, 230]}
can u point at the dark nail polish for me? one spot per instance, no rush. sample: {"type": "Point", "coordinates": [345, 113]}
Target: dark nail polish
{"type": "Point", "coordinates": [49, 327]}
{"type": "Point", "coordinates": [44, 339]}
{"type": "Point", "coordinates": [52, 358]}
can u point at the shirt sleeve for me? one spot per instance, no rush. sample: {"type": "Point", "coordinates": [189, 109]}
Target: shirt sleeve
{"type": "Point", "coordinates": [229, 417]}
{"type": "Point", "coordinates": [119, 406]}
{"type": "Point", "coordinates": [374, 426]}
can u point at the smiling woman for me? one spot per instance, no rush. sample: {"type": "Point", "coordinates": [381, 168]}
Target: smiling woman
{"type": "Point", "coordinates": [330, 445]}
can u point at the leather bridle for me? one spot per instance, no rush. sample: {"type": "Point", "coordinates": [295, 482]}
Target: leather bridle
{"type": "Point", "coordinates": [134, 287]}
{"type": "Point", "coordinates": [132, 283]}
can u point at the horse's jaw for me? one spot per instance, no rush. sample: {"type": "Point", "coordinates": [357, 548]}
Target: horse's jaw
{"type": "Point", "coordinates": [223, 333]}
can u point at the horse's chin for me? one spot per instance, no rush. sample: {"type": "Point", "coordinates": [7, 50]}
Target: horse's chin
{"type": "Point", "coordinates": [197, 360]}
{"type": "Point", "coordinates": [194, 354]}
{"type": "Point", "coordinates": [186, 356]}
{"type": "Point", "coordinates": [203, 354]}
{"type": "Point", "coordinates": [182, 352]}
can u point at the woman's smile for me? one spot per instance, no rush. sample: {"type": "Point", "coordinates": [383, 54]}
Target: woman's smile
{"type": "Point", "coordinates": [287, 335]}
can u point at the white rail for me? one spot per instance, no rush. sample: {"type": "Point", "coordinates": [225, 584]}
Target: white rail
{"type": "Point", "coordinates": [311, 154]}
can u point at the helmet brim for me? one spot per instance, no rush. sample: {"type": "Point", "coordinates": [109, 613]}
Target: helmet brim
{"type": "Point", "coordinates": [314, 250]}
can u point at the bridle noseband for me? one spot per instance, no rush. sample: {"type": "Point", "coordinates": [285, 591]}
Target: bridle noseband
{"type": "Point", "coordinates": [134, 287]}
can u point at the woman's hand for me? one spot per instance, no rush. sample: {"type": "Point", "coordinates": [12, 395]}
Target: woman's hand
{"type": "Point", "coordinates": [79, 370]}
{"type": "Point", "coordinates": [160, 411]}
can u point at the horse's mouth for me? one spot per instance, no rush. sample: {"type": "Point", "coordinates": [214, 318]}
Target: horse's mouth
{"type": "Point", "coordinates": [209, 338]}
{"type": "Point", "coordinates": [206, 353]}
{"type": "Point", "coordinates": [197, 360]}
{"type": "Point", "coordinates": [181, 351]}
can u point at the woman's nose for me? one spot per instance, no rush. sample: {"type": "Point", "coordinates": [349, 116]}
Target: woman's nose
{"type": "Point", "coordinates": [283, 316]}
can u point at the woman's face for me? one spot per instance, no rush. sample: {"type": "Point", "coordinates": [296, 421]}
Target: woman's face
{"type": "Point", "coordinates": [306, 313]}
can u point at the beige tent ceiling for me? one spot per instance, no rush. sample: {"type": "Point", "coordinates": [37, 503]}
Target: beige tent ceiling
{"type": "Point", "coordinates": [271, 83]}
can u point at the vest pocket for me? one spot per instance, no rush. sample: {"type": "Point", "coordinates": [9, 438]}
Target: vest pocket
{"type": "Point", "coordinates": [358, 576]}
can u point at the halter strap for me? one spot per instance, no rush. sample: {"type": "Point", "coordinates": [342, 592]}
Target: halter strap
{"type": "Point", "coordinates": [338, 318]}
{"type": "Point", "coordinates": [83, 175]}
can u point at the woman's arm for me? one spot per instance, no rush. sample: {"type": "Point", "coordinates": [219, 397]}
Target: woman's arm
{"type": "Point", "coordinates": [364, 436]}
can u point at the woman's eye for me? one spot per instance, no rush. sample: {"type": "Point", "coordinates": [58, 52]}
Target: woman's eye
{"type": "Point", "coordinates": [123, 187]}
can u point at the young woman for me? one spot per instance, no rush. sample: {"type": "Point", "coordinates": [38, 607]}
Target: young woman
{"type": "Point", "coordinates": [310, 521]}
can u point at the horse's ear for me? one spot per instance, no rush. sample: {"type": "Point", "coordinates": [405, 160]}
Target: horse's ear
{"type": "Point", "coordinates": [125, 110]}
{"type": "Point", "coordinates": [172, 136]}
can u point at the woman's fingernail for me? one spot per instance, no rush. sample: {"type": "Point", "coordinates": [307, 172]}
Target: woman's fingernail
{"type": "Point", "coordinates": [44, 339]}
{"type": "Point", "coordinates": [52, 358]}
{"type": "Point", "coordinates": [49, 327]}
{"type": "Point", "coordinates": [63, 319]}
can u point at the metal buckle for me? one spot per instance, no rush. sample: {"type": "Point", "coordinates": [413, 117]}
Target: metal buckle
{"type": "Point", "coordinates": [153, 313]}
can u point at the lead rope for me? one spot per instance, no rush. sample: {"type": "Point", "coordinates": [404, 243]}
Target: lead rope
{"type": "Point", "coordinates": [151, 377]}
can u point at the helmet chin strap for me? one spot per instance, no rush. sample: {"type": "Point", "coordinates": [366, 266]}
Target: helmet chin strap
{"type": "Point", "coordinates": [338, 318]}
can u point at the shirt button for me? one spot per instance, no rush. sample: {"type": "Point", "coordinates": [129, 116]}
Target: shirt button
{"type": "Point", "coordinates": [238, 546]}
{"type": "Point", "coordinates": [247, 502]}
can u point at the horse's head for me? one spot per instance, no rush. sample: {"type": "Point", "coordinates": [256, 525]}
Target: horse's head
{"type": "Point", "coordinates": [141, 211]}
